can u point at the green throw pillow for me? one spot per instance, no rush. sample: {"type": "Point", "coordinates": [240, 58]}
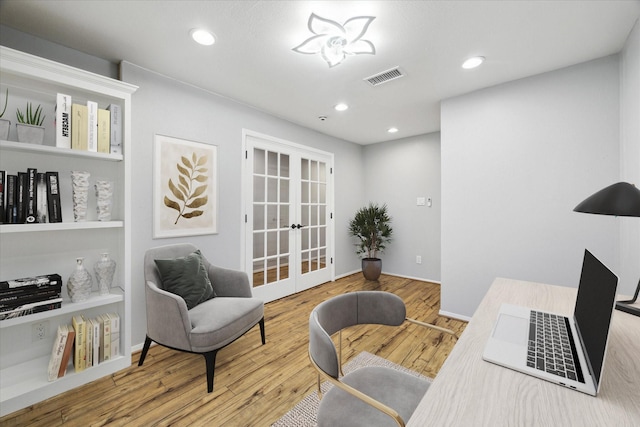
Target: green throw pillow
{"type": "Point", "coordinates": [186, 277]}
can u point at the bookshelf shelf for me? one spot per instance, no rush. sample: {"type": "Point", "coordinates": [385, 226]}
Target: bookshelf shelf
{"type": "Point", "coordinates": [28, 250]}
{"type": "Point", "coordinates": [56, 151]}
{"type": "Point", "coordinates": [59, 226]}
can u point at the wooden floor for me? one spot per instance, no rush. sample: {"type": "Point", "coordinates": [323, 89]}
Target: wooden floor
{"type": "Point", "coordinates": [254, 385]}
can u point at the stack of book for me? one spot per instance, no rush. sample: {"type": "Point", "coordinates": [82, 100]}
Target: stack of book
{"type": "Point", "coordinates": [30, 295]}
{"type": "Point", "coordinates": [87, 127]}
{"type": "Point", "coordinates": [30, 197]}
{"type": "Point", "coordinates": [85, 343]}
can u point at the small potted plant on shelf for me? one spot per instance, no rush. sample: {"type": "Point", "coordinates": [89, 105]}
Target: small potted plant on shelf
{"type": "Point", "coordinates": [372, 226]}
{"type": "Point", "coordinates": [29, 126]}
{"type": "Point", "coordinates": [4, 123]}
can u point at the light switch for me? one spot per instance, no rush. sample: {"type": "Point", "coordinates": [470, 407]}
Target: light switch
{"type": "Point", "coordinates": [421, 201]}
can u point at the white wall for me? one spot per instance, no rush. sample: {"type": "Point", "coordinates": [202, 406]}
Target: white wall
{"type": "Point", "coordinates": [516, 159]}
{"type": "Point", "coordinates": [630, 157]}
{"type": "Point", "coordinates": [168, 107]}
{"type": "Point", "coordinates": [397, 173]}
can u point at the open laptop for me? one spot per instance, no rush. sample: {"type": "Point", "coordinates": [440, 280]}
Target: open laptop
{"type": "Point", "coordinates": [513, 345]}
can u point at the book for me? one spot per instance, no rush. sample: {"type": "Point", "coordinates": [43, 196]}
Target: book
{"type": "Point", "coordinates": [12, 207]}
{"type": "Point", "coordinates": [95, 332]}
{"type": "Point", "coordinates": [79, 128]}
{"type": "Point", "coordinates": [115, 334]}
{"type": "Point", "coordinates": [116, 128]}
{"type": "Point", "coordinates": [3, 177]}
{"type": "Point", "coordinates": [31, 214]}
{"type": "Point", "coordinates": [21, 197]}
{"type": "Point", "coordinates": [104, 131]}
{"type": "Point", "coordinates": [92, 126]}
{"type": "Point", "coordinates": [63, 121]}
{"type": "Point", "coordinates": [42, 212]}
{"type": "Point", "coordinates": [53, 197]}
{"type": "Point", "coordinates": [31, 308]}
{"type": "Point", "coordinates": [79, 349]}
{"type": "Point", "coordinates": [68, 349]}
{"type": "Point", "coordinates": [34, 282]}
{"type": "Point", "coordinates": [10, 302]}
{"type": "Point", "coordinates": [105, 337]}
{"type": "Point", "coordinates": [88, 351]}
{"type": "Point", "coordinates": [55, 361]}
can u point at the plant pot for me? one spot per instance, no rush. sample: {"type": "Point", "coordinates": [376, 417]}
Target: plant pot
{"type": "Point", "coordinates": [371, 268]}
{"type": "Point", "coordinates": [5, 125]}
{"type": "Point", "coordinates": [30, 134]}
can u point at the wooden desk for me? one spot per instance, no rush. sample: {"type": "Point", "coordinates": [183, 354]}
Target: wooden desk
{"type": "Point", "coordinates": [471, 392]}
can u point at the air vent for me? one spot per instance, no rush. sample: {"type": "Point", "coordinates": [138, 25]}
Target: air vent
{"type": "Point", "coordinates": [385, 76]}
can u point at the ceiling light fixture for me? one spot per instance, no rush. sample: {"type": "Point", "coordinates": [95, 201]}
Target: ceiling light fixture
{"type": "Point", "coordinates": [334, 42]}
{"type": "Point", "coordinates": [202, 37]}
{"type": "Point", "coordinates": [392, 130]}
{"type": "Point", "coordinates": [473, 62]}
{"type": "Point", "coordinates": [341, 107]}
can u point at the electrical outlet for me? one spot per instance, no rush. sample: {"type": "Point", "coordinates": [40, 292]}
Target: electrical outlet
{"type": "Point", "coordinates": [39, 330]}
{"type": "Point", "coordinates": [418, 259]}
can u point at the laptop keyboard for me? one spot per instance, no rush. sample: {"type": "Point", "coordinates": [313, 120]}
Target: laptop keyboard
{"type": "Point", "coordinates": [551, 347]}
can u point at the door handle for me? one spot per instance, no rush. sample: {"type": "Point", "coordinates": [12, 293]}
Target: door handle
{"type": "Point", "coordinates": [298, 226]}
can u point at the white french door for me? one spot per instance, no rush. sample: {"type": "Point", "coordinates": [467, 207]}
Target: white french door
{"type": "Point", "coordinates": [288, 229]}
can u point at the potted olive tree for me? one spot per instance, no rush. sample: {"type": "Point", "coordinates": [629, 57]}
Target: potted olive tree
{"type": "Point", "coordinates": [372, 226]}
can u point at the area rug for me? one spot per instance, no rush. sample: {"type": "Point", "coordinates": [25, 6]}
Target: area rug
{"type": "Point", "coordinates": [304, 413]}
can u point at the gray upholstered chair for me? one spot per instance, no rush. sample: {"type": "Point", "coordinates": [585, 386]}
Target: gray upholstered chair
{"type": "Point", "coordinates": [208, 326]}
{"type": "Point", "coordinates": [368, 396]}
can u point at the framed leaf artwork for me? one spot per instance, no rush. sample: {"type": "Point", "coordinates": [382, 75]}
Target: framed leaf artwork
{"type": "Point", "coordinates": [185, 188]}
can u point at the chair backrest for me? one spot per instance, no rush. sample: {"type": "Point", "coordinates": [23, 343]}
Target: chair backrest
{"type": "Point", "coordinates": [337, 313]}
{"type": "Point", "coordinates": [151, 272]}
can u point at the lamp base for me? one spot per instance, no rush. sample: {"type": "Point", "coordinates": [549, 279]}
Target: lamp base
{"type": "Point", "coordinates": [626, 305]}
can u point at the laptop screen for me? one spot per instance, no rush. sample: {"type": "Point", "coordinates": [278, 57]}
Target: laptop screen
{"type": "Point", "coordinates": [593, 310]}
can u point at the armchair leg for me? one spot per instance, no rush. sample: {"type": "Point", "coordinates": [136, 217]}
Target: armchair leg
{"type": "Point", "coordinates": [262, 331]}
{"type": "Point", "coordinates": [210, 360]}
{"type": "Point", "coordinates": [145, 348]}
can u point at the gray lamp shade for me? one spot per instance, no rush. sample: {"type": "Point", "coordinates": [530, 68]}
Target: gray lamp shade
{"type": "Point", "coordinates": [620, 199]}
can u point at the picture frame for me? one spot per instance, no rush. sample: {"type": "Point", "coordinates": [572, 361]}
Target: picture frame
{"type": "Point", "coordinates": [185, 193]}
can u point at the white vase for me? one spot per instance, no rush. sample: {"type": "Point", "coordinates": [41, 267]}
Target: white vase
{"type": "Point", "coordinates": [105, 269]}
{"type": "Point", "coordinates": [79, 283]}
{"type": "Point", "coordinates": [80, 187]}
{"type": "Point", "coordinates": [104, 199]}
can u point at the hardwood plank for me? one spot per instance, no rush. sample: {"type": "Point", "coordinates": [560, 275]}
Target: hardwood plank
{"type": "Point", "coordinates": [254, 384]}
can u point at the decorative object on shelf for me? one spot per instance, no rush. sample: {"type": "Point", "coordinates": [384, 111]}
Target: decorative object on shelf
{"type": "Point", "coordinates": [334, 42]}
{"type": "Point", "coordinates": [620, 199]}
{"type": "Point", "coordinates": [185, 188]}
{"type": "Point", "coordinates": [372, 226]}
{"type": "Point", "coordinates": [104, 199]}
{"type": "Point", "coordinates": [80, 187]}
{"type": "Point", "coordinates": [5, 124]}
{"type": "Point", "coordinates": [79, 283]}
{"type": "Point", "coordinates": [29, 126]}
{"type": "Point", "coordinates": [105, 269]}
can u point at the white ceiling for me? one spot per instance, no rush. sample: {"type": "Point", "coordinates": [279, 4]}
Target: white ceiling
{"type": "Point", "coordinates": [253, 62]}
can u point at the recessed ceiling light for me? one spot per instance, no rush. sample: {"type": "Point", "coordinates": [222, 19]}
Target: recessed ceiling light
{"type": "Point", "coordinates": [392, 130]}
{"type": "Point", "coordinates": [202, 37]}
{"type": "Point", "coordinates": [341, 107]}
{"type": "Point", "coordinates": [473, 62]}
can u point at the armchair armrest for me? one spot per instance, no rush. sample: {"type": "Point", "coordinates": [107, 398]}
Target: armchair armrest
{"type": "Point", "coordinates": [167, 318]}
{"type": "Point", "coordinates": [229, 283]}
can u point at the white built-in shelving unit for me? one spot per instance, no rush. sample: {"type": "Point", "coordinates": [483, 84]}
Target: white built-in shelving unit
{"type": "Point", "coordinates": [34, 249]}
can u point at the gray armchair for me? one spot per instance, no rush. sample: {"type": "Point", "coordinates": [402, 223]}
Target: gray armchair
{"type": "Point", "coordinates": [368, 396]}
{"type": "Point", "coordinates": [208, 326]}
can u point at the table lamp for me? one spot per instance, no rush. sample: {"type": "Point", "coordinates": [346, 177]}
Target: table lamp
{"type": "Point", "coordinates": [620, 199]}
